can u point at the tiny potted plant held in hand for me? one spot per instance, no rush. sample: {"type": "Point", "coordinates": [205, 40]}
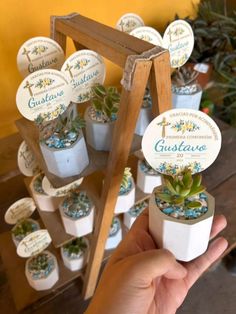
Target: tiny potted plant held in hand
{"type": "Point", "coordinates": [75, 253]}
{"type": "Point", "coordinates": [181, 214]}
{"type": "Point", "coordinates": [100, 117]}
{"type": "Point", "coordinates": [62, 144]}
{"type": "Point", "coordinates": [186, 92]}
{"type": "Point", "coordinates": [126, 195]}
{"type": "Point", "coordinates": [179, 144]}
{"type": "Point", "coordinates": [77, 213]}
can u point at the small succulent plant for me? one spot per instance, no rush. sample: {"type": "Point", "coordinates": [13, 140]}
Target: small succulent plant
{"type": "Point", "coordinates": [39, 262]}
{"type": "Point", "coordinates": [62, 130]}
{"type": "Point", "coordinates": [77, 204]}
{"type": "Point", "coordinates": [126, 178]}
{"type": "Point", "coordinates": [181, 187]}
{"type": "Point", "coordinates": [75, 247]}
{"type": "Point", "coordinates": [23, 228]}
{"type": "Point", "coordinates": [105, 101]}
{"type": "Point", "coordinates": [184, 76]}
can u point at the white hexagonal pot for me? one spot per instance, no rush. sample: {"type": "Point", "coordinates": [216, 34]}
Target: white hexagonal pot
{"type": "Point", "coordinates": [75, 263]}
{"type": "Point", "coordinates": [44, 201]}
{"type": "Point", "coordinates": [186, 239]}
{"type": "Point", "coordinates": [18, 239]}
{"type": "Point", "coordinates": [187, 101]}
{"type": "Point", "coordinates": [66, 162]}
{"type": "Point", "coordinates": [115, 235]}
{"type": "Point", "coordinates": [126, 201]}
{"type": "Point", "coordinates": [98, 134]}
{"type": "Point", "coordinates": [144, 118]}
{"type": "Point", "coordinates": [77, 227]}
{"type": "Point", "coordinates": [146, 180]}
{"type": "Point", "coordinates": [41, 281]}
{"type": "Point", "coordinates": [133, 213]}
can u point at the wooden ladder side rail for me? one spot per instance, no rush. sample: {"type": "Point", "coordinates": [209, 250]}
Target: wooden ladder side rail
{"type": "Point", "coordinates": [160, 83]}
{"type": "Point", "coordinates": [108, 42]}
{"type": "Point", "coordinates": [130, 105]}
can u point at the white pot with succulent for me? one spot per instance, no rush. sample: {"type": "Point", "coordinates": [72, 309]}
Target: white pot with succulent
{"type": "Point", "coordinates": [145, 115]}
{"type": "Point", "coordinates": [126, 197]}
{"type": "Point", "coordinates": [63, 146]}
{"type": "Point", "coordinates": [115, 234]}
{"type": "Point", "coordinates": [133, 213]}
{"type": "Point", "coordinates": [42, 271]}
{"type": "Point", "coordinates": [77, 213]}
{"type": "Point", "coordinates": [147, 177]}
{"type": "Point", "coordinates": [43, 201]}
{"type": "Point", "coordinates": [181, 215]}
{"type": "Point", "coordinates": [100, 117]}
{"type": "Point", "coordinates": [186, 92]}
{"type": "Point", "coordinates": [75, 253]}
{"type": "Point", "coordinates": [23, 228]}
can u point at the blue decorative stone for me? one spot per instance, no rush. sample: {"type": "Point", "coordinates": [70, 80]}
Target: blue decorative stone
{"type": "Point", "coordinates": [168, 210]}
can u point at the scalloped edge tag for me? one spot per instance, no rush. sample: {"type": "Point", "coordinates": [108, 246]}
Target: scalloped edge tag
{"type": "Point", "coordinates": [26, 161]}
{"type": "Point", "coordinates": [128, 22]}
{"type": "Point", "coordinates": [43, 95]}
{"type": "Point", "coordinates": [21, 209]}
{"type": "Point", "coordinates": [148, 34]}
{"type": "Point", "coordinates": [39, 53]}
{"type": "Point", "coordinates": [34, 243]}
{"type": "Point", "coordinates": [179, 40]}
{"type": "Point", "coordinates": [83, 69]}
{"type": "Point", "coordinates": [62, 191]}
{"type": "Point", "coordinates": [181, 138]}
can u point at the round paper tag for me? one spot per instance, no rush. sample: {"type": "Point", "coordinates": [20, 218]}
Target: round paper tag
{"type": "Point", "coordinates": [43, 95]}
{"type": "Point", "coordinates": [21, 209]}
{"type": "Point", "coordinates": [83, 69]}
{"type": "Point", "coordinates": [26, 160]}
{"type": "Point", "coordinates": [34, 243]}
{"type": "Point", "coordinates": [181, 138]}
{"type": "Point", "coordinates": [62, 191]}
{"type": "Point", "coordinates": [128, 22]}
{"type": "Point", "coordinates": [148, 34]}
{"type": "Point", "coordinates": [39, 53]}
{"type": "Point", "coordinates": [179, 40]}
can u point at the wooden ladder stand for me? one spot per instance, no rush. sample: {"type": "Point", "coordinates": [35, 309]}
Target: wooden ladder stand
{"type": "Point", "coordinates": [117, 47]}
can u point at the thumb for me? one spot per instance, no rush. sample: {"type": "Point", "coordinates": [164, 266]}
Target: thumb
{"type": "Point", "coordinates": [151, 264]}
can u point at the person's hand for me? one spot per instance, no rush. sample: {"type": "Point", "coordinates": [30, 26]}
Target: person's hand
{"type": "Point", "coordinates": [141, 279]}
